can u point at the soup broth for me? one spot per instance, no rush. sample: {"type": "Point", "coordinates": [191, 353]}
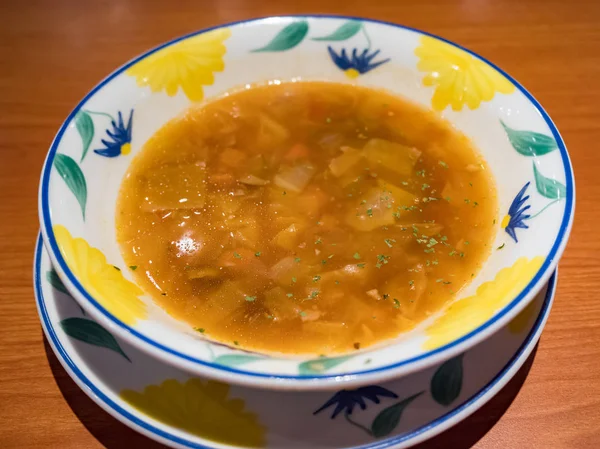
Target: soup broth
{"type": "Point", "coordinates": [306, 217]}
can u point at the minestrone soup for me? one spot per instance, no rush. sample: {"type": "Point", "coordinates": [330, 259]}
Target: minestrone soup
{"type": "Point", "coordinates": [306, 217]}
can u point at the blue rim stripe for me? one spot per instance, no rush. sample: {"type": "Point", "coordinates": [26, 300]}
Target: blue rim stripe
{"type": "Point", "coordinates": [550, 261]}
{"type": "Point", "coordinates": [97, 395]}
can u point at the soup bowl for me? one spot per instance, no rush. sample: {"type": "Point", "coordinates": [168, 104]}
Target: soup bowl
{"type": "Point", "coordinates": [95, 146]}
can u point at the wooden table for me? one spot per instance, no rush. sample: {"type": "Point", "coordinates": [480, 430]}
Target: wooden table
{"type": "Point", "coordinates": [52, 52]}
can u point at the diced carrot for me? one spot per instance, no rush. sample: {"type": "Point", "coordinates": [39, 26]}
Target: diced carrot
{"type": "Point", "coordinates": [298, 151]}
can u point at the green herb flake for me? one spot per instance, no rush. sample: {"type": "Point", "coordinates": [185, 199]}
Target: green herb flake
{"type": "Point", "coordinates": [471, 184]}
{"type": "Point", "coordinates": [425, 186]}
{"type": "Point", "coordinates": [363, 202]}
{"type": "Point", "coordinates": [360, 265]}
{"type": "Point", "coordinates": [447, 198]}
{"type": "Point", "coordinates": [302, 313]}
{"type": "Point", "coordinates": [328, 120]}
{"type": "Point", "coordinates": [318, 241]}
{"type": "Point", "coordinates": [434, 261]}
{"type": "Point", "coordinates": [284, 192]}
{"type": "Point", "coordinates": [494, 222]}
{"type": "Point", "coordinates": [501, 246]}
{"type": "Point", "coordinates": [257, 254]}
{"type": "Point", "coordinates": [199, 329]}
{"type": "Point", "coordinates": [467, 200]}
{"type": "Point", "coordinates": [466, 242]}
{"type": "Point", "coordinates": [237, 256]}
{"type": "Point", "coordinates": [297, 260]}
{"type": "Point", "coordinates": [370, 212]}
{"type": "Point", "coordinates": [337, 282]}
{"type": "Point", "coordinates": [443, 164]}
{"type": "Point", "coordinates": [386, 296]}
{"type": "Point", "coordinates": [396, 304]}
{"type": "Point", "coordinates": [289, 295]}
{"type": "Point", "coordinates": [446, 282]}
{"type": "Point", "coordinates": [432, 242]}
{"type": "Point", "coordinates": [429, 250]}
{"type": "Point", "coordinates": [314, 294]}
{"type": "Point", "coordinates": [411, 282]}
{"type": "Point", "coordinates": [396, 215]}
{"type": "Point", "coordinates": [452, 253]}
{"type": "Point", "coordinates": [294, 280]}
{"type": "Point", "coordinates": [404, 183]}
{"type": "Point", "coordinates": [356, 256]}
{"type": "Point", "coordinates": [116, 268]}
{"type": "Point", "coordinates": [133, 267]}
{"type": "Point", "coordinates": [389, 242]}
{"type": "Point", "coordinates": [163, 294]}
{"type": "Point", "coordinates": [250, 298]}
{"type": "Point", "coordinates": [316, 278]}
{"type": "Point", "coordinates": [235, 342]}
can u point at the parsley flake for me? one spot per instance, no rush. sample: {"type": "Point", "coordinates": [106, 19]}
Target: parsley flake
{"type": "Point", "coordinates": [250, 298]}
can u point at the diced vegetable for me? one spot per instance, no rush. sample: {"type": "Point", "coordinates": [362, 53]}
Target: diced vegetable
{"type": "Point", "coordinates": [371, 213]}
{"type": "Point", "coordinates": [270, 133]}
{"type": "Point", "coordinates": [280, 306]}
{"type": "Point", "coordinates": [252, 180]}
{"type": "Point", "coordinates": [298, 151]}
{"type": "Point", "coordinates": [288, 237]}
{"type": "Point", "coordinates": [344, 162]}
{"type": "Point", "coordinates": [400, 197]}
{"type": "Point", "coordinates": [203, 273]}
{"type": "Point", "coordinates": [295, 178]}
{"type": "Point", "coordinates": [390, 156]}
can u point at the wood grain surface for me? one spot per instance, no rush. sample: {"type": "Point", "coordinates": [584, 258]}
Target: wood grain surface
{"type": "Point", "coordinates": [52, 52]}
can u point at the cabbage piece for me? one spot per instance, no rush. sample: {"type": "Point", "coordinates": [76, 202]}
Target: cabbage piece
{"type": "Point", "coordinates": [390, 157]}
{"type": "Point", "coordinates": [295, 178]}
{"type": "Point", "coordinates": [372, 212]}
{"type": "Point", "coordinates": [270, 133]}
{"type": "Point", "coordinates": [279, 306]}
{"type": "Point", "coordinates": [288, 237]}
{"type": "Point", "coordinates": [344, 162]}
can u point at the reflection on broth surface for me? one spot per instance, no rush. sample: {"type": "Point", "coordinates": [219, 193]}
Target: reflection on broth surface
{"type": "Point", "coordinates": [306, 217]}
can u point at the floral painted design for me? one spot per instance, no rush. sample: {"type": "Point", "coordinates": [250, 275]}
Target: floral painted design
{"type": "Point", "coordinates": [464, 315]}
{"type": "Point", "coordinates": [459, 78]}
{"type": "Point", "coordinates": [386, 420]}
{"type": "Point", "coordinates": [345, 400]}
{"type": "Point", "coordinates": [189, 64]}
{"type": "Point", "coordinates": [517, 214]}
{"type": "Point", "coordinates": [103, 281]}
{"type": "Point", "coordinates": [353, 62]}
{"type": "Point", "coordinates": [119, 139]}
{"type": "Point", "coordinates": [358, 64]}
{"type": "Point", "coordinates": [201, 408]}
{"type": "Point", "coordinates": [531, 144]}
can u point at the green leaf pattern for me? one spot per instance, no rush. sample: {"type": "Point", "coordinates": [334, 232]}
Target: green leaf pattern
{"type": "Point", "coordinates": [387, 420]}
{"type": "Point", "coordinates": [85, 128]}
{"type": "Point", "coordinates": [320, 365]}
{"type": "Point", "coordinates": [70, 172]}
{"type": "Point", "coordinates": [529, 143]}
{"type": "Point", "coordinates": [548, 187]}
{"type": "Point", "coordinates": [236, 359]}
{"type": "Point", "coordinates": [446, 383]}
{"type": "Point", "coordinates": [92, 333]}
{"type": "Point", "coordinates": [344, 31]}
{"type": "Point", "coordinates": [288, 38]}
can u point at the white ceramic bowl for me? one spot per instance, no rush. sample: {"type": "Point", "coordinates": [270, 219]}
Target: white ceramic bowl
{"type": "Point", "coordinates": [94, 146]}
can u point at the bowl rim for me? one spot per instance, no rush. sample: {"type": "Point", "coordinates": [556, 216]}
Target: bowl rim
{"type": "Point", "coordinates": [286, 381]}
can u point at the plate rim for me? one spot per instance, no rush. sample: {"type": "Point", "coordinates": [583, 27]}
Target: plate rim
{"type": "Point", "coordinates": [247, 377]}
{"type": "Point", "coordinates": [425, 432]}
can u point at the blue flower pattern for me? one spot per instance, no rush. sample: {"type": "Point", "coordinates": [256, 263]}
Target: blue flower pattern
{"type": "Point", "coordinates": [517, 214]}
{"type": "Point", "coordinates": [358, 64]}
{"type": "Point", "coordinates": [346, 400]}
{"type": "Point", "coordinates": [119, 139]}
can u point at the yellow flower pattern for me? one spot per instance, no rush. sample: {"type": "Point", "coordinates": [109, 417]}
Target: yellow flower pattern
{"type": "Point", "coordinates": [464, 315]}
{"type": "Point", "coordinates": [188, 64]}
{"type": "Point", "coordinates": [103, 281]}
{"type": "Point", "coordinates": [201, 408]}
{"type": "Point", "coordinates": [460, 78]}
